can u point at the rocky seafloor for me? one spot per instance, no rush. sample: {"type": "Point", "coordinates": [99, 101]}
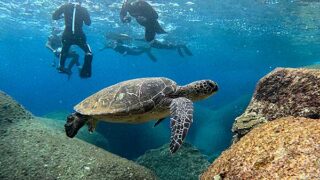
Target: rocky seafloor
{"type": "Point", "coordinates": [277, 137]}
{"type": "Point", "coordinates": [32, 148]}
{"type": "Point", "coordinates": [187, 163]}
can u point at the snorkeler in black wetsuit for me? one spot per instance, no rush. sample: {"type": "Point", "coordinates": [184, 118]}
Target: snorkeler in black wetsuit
{"type": "Point", "coordinates": [74, 16]}
{"type": "Point", "coordinates": [120, 47]}
{"type": "Point", "coordinates": [55, 45]}
{"type": "Point", "coordinates": [145, 16]}
{"type": "Point", "coordinates": [166, 45]}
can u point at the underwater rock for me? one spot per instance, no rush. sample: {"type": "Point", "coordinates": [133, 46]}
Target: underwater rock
{"type": "Point", "coordinates": [57, 119]}
{"type": "Point", "coordinates": [187, 163]}
{"type": "Point", "coordinates": [11, 111]}
{"type": "Point", "coordinates": [34, 149]}
{"type": "Point", "coordinates": [284, 92]}
{"type": "Point", "coordinates": [287, 148]}
{"type": "Point", "coordinates": [94, 138]}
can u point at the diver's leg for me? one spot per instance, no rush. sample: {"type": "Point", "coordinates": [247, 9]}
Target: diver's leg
{"type": "Point", "coordinates": [86, 68]}
{"type": "Point", "coordinates": [162, 45]}
{"type": "Point", "coordinates": [135, 52]}
{"type": "Point", "coordinates": [150, 33]}
{"type": "Point", "coordinates": [64, 54]}
{"type": "Point", "coordinates": [74, 60]}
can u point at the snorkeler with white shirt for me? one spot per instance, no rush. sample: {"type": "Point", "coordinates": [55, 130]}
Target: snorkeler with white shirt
{"type": "Point", "coordinates": [55, 45]}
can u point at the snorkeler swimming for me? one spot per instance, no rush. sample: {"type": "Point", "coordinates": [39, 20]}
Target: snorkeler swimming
{"type": "Point", "coordinates": [118, 45]}
{"type": "Point", "coordinates": [145, 15]}
{"type": "Point", "coordinates": [74, 16]}
{"type": "Point", "coordinates": [55, 45]}
{"type": "Point", "coordinates": [182, 49]}
{"type": "Point", "coordinates": [167, 45]}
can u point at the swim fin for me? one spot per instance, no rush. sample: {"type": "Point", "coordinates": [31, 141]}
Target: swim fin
{"type": "Point", "coordinates": [86, 68]}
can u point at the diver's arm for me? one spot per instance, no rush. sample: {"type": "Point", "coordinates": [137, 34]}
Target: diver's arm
{"type": "Point", "coordinates": [58, 13]}
{"type": "Point", "coordinates": [87, 19]}
{"type": "Point", "coordinates": [48, 45]}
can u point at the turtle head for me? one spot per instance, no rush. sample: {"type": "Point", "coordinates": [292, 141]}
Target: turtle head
{"type": "Point", "coordinates": [199, 89]}
{"type": "Point", "coordinates": [75, 121]}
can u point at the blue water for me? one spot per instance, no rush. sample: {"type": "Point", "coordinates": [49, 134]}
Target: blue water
{"type": "Point", "coordinates": [234, 43]}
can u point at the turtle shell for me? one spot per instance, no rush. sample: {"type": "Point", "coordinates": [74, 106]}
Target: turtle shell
{"type": "Point", "coordinates": [130, 97]}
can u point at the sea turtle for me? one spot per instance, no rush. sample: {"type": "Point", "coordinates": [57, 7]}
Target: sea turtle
{"type": "Point", "coordinates": [141, 100]}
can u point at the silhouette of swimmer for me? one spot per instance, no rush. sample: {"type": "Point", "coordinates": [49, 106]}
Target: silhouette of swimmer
{"type": "Point", "coordinates": [120, 47]}
{"type": "Point", "coordinates": [171, 46]}
{"type": "Point", "coordinates": [181, 48]}
{"type": "Point", "coordinates": [145, 15]}
{"type": "Point", "coordinates": [74, 16]}
{"type": "Point", "coordinates": [55, 45]}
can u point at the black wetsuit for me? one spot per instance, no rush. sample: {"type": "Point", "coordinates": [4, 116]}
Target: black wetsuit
{"type": "Point", "coordinates": [127, 50]}
{"type": "Point", "coordinates": [145, 16]}
{"type": "Point", "coordinates": [74, 17]}
{"type": "Point", "coordinates": [122, 49]}
{"type": "Point", "coordinates": [166, 45]}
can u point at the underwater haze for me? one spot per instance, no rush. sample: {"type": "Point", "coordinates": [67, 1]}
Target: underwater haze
{"type": "Point", "coordinates": [234, 43]}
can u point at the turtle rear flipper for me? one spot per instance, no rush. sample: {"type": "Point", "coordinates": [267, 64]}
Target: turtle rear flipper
{"type": "Point", "coordinates": [181, 110]}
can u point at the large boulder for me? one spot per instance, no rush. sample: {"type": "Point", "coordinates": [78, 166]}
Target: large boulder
{"type": "Point", "coordinates": [284, 92]}
{"type": "Point", "coordinates": [57, 120]}
{"type": "Point", "coordinates": [32, 148]}
{"type": "Point", "coordinates": [11, 111]}
{"type": "Point", "coordinates": [288, 148]}
{"type": "Point", "coordinates": [187, 163]}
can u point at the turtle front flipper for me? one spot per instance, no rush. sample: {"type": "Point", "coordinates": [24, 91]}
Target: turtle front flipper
{"type": "Point", "coordinates": [181, 110]}
{"type": "Point", "coordinates": [92, 124]}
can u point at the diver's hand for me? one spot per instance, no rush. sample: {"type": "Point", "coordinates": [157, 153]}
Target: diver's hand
{"type": "Point", "coordinates": [56, 53]}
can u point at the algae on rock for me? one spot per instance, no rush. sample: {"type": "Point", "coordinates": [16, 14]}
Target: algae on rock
{"type": "Point", "coordinates": [187, 163]}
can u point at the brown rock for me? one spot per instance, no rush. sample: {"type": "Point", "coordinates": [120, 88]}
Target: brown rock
{"type": "Point", "coordinates": [288, 148]}
{"type": "Point", "coordinates": [284, 92]}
